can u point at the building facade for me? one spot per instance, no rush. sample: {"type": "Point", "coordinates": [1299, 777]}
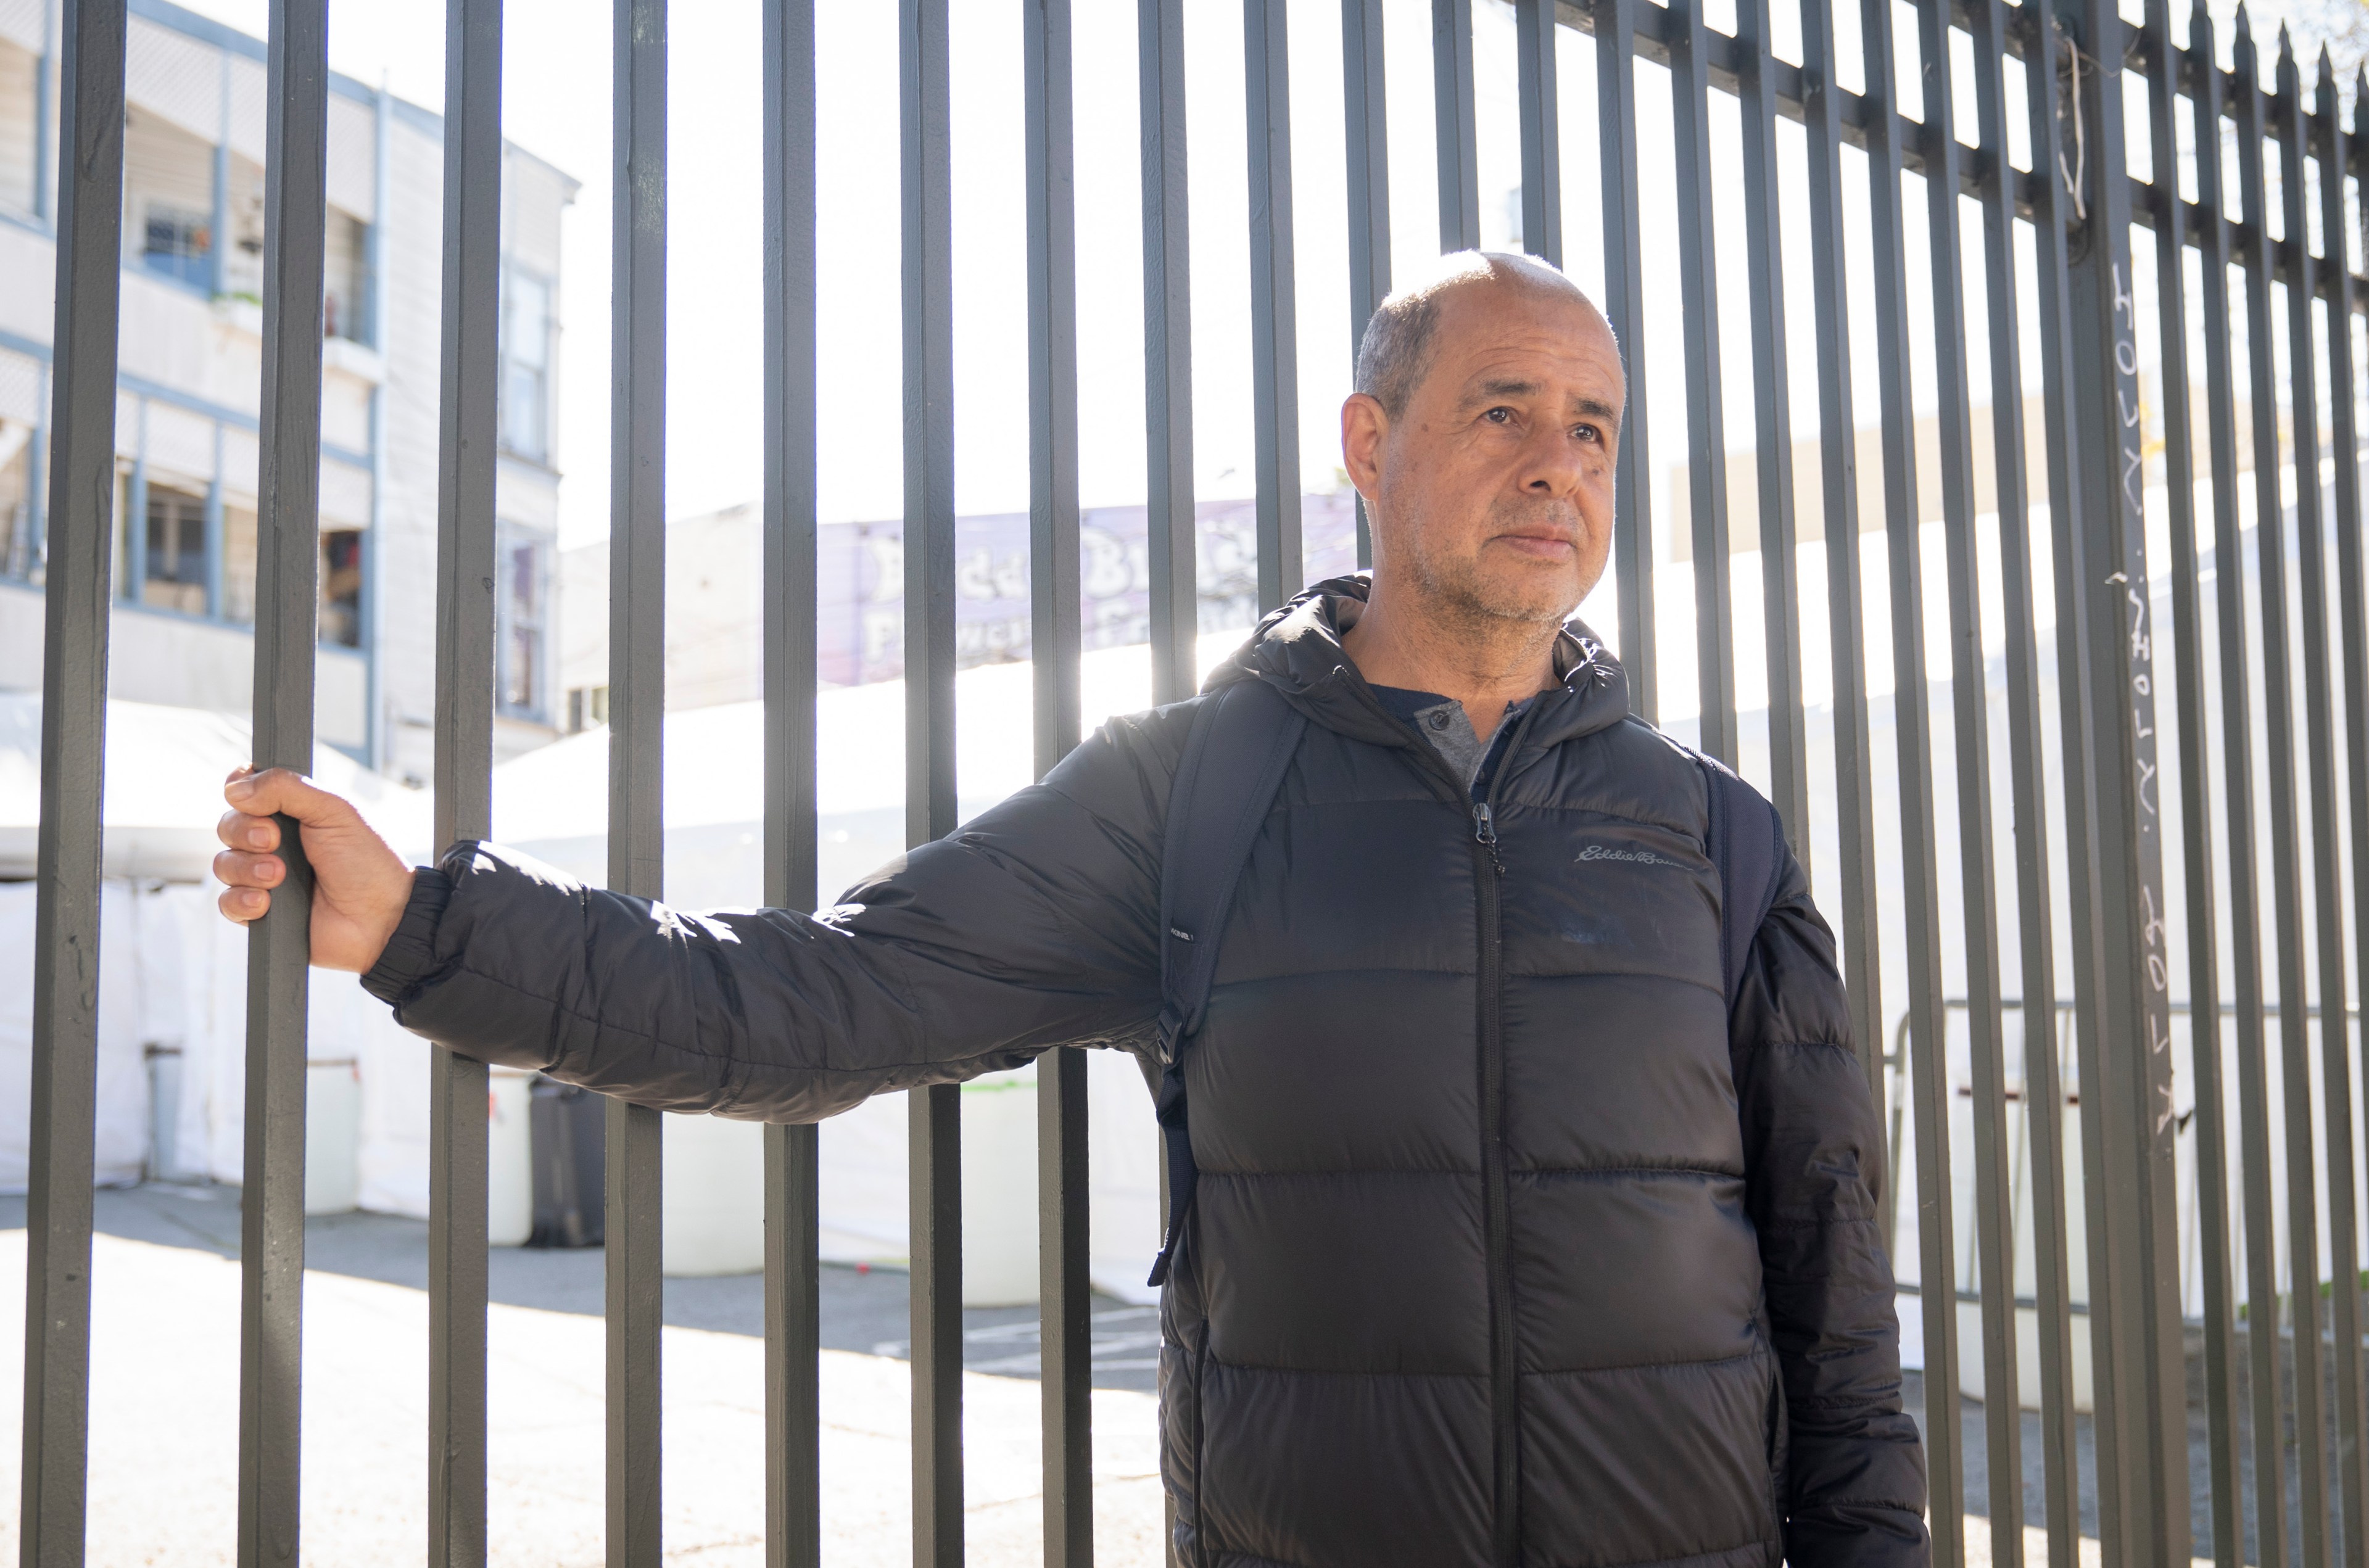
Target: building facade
{"type": "Point", "coordinates": [191, 387]}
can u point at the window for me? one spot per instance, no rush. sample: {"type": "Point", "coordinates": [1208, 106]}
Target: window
{"type": "Point", "coordinates": [519, 625]}
{"type": "Point", "coordinates": [169, 200]}
{"type": "Point", "coordinates": [341, 588]}
{"type": "Point", "coordinates": [176, 574]}
{"type": "Point", "coordinates": [346, 279]}
{"type": "Point", "coordinates": [238, 565]}
{"type": "Point", "coordinates": [15, 499]}
{"type": "Point", "coordinates": [526, 366]}
{"type": "Point", "coordinates": [177, 243]}
{"type": "Point", "coordinates": [586, 706]}
{"type": "Point", "coordinates": [20, 141]}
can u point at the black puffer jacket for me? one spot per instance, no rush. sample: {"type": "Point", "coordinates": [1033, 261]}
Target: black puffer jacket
{"type": "Point", "coordinates": [1511, 1247]}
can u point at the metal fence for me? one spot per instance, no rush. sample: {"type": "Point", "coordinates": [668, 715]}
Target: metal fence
{"type": "Point", "coordinates": [2222, 492]}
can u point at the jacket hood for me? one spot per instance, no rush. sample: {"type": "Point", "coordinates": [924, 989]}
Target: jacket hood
{"type": "Point", "coordinates": [1297, 649]}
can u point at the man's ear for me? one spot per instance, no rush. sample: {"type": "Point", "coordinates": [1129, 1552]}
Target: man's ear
{"type": "Point", "coordinates": [1365, 427]}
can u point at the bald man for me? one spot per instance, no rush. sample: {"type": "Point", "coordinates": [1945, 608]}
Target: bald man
{"type": "Point", "coordinates": [1534, 1221]}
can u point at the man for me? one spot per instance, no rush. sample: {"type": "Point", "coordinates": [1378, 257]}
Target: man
{"type": "Point", "coordinates": [1514, 1242]}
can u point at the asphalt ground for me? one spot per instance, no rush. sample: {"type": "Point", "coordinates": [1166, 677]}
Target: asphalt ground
{"type": "Point", "coordinates": [864, 1310]}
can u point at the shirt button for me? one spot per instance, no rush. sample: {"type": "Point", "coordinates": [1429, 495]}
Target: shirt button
{"type": "Point", "coordinates": [1439, 718]}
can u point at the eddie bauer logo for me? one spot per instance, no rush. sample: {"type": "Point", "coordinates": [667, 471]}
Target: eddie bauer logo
{"type": "Point", "coordinates": [1643, 857]}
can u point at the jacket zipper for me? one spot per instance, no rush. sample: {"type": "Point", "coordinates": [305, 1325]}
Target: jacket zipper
{"type": "Point", "coordinates": [1504, 1383]}
{"type": "Point", "coordinates": [1505, 1390]}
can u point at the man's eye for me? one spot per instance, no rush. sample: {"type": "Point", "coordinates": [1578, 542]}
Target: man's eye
{"type": "Point", "coordinates": [1587, 432]}
{"type": "Point", "coordinates": [1498, 416]}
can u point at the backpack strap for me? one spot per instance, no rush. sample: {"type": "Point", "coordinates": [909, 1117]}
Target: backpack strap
{"type": "Point", "coordinates": [1746, 841]}
{"type": "Point", "coordinates": [1242, 738]}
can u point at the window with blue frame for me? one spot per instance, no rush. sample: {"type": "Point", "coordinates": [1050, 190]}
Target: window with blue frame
{"type": "Point", "coordinates": [341, 588]}
{"type": "Point", "coordinates": [17, 551]}
{"type": "Point", "coordinates": [174, 571]}
{"type": "Point", "coordinates": [169, 200]}
{"type": "Point", "coordinates": [526, 366]}
{"type": "Point", "coordinates": [522, 625]}
{"type": "Point", "coordinates": [20, 130]}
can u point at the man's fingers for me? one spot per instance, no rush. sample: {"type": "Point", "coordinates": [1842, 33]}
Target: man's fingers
{"type": "Point", "coordinates": [285, 790]}
{"type": "Point", "coordinates": [244, 904]}
{"type": "Point", "coordinates": [236, 868]}
{"type": "Point", "coordinates": [241, 831]}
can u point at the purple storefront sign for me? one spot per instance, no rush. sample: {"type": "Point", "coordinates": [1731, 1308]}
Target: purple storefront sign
{"type": "Point", "coordinates": [861, 572]}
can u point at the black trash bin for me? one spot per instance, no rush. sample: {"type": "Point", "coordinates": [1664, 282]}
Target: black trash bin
{"type": "Point", "coordinates": [567, 1140]}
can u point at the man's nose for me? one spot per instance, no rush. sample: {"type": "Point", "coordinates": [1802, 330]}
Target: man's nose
{"type": "Point", "coordinates": [1552, 463]}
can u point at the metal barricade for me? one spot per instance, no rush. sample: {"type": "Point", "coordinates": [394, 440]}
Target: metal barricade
{"type": "Point", "coordinates": [2082, 764]}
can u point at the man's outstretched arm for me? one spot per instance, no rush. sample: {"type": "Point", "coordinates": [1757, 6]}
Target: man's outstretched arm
{"type": "Point", "coordinates": [1814, 1163]}
{"type": "Point", "coordinates": [1033, 925]}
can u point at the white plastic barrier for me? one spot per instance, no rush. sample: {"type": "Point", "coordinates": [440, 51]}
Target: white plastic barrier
{"type": "Point", "coordinates": [713, 1206]}
{"type": "Point", "coordinates": [510, 1167]}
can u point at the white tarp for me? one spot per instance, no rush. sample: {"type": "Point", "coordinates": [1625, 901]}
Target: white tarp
{"type": "Point", "coordinates": [552, 803]}
{"type": "Point", "coordinates": [122, 1144]}
{"type": "Point", "coordinates": [176, 972]}
{"type": "Point", "coordinates": [165, 773]}
{"type": "Point", "coordinates": [172, 972]}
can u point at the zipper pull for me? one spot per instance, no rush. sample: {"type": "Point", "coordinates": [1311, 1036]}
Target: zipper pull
{"type": "Point", "coordinates": [1484, 828]}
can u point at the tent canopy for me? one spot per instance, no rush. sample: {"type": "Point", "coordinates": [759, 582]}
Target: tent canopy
{"type": "Point", "coordinates": [165, 773]}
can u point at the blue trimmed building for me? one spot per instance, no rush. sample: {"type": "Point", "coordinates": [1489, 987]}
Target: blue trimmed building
{"type": "Point", "coordinates": [191, 381]}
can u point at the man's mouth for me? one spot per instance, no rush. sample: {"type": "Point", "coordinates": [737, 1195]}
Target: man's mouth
{"type": "Point", "coordinates": [1543, 544]}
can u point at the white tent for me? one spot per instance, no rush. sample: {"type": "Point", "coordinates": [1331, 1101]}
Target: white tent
{"type": "Point", "coordinates": [172, 973]}
{"type": "Point", "coordinates": [553, 804]}
{"type": "Point", "coordinates": [165, 773]}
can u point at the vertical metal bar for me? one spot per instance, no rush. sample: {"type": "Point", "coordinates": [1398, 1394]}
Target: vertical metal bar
{"type": "Point", "coordinates": [1063, 1289]}
{"type": "Point", "coordinates": [467, 415]}
{"type": "Point", "coordinates": [2320, 763]}
{"type": "Point", "coordinates": [287, 607]}
{"type": "Point", "coordinates": [2044, 1093]}
{"type": "Point", "coordinates": [2280, 790]}
{"type": "Point", "coordinates": [935, 1130]}
{"type": "Point", "coordinates": [1772, 393]}
{"type": "Point", "coordinates": [1363, 102]}
{"type": "Point", "coordinates": [1275, 331]}
{"type": "Point", "coordinates": [1535, 30]}
{"type": "Point", "coordinates": [1453, 119]}
{"type": "Point", "coordinates": [1838, 474]}
{"type": "Point", "coordinates": [634, 1169]}
{"type": "Point", "coordinates": [1624, 305]}
{"type": "Point", "coordinates": [62, 1126]}
{"type": "Point", "coordinates": [793, 1304]}
{"type": "Point", "coordinates": [1169, 521]}
{"type": "Point", "coordinates": [2221, 1399]}
{"type": "Point", "coordinates": [2143, 1515]}
{"type": "Point", "coordinates": [1936, 1254]}
{"type": "Point", "coordinates": [2238, 811]}
{"type": "Point", "coordinates": [1706, 415]}
{"type": "Point", "coordinates": [2338, 150]}
{"type": "Point", "coordinates": [2060, 232]}
{"type": "Point", "coordinates": [1994, 1202]}
{"type": "Point", "coordinates": [2296, 141]}
{"type": "Point", "coordinates": [924, 77]}
{"type": "Point", "coordinates": [1065, 1371]}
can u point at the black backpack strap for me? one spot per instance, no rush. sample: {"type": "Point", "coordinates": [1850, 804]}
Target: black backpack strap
{"type": "Point", "coordinates": [1242, 738]}
{"type": "Point", "coordinates": [1746, 842]}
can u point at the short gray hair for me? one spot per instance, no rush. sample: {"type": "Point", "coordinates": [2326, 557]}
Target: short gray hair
{"type": "Point", "coordinates": [1395, 353]}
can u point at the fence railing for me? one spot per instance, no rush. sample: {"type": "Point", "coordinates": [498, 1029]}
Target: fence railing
{"type": "Point", "coordinates": [2050, 611]}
